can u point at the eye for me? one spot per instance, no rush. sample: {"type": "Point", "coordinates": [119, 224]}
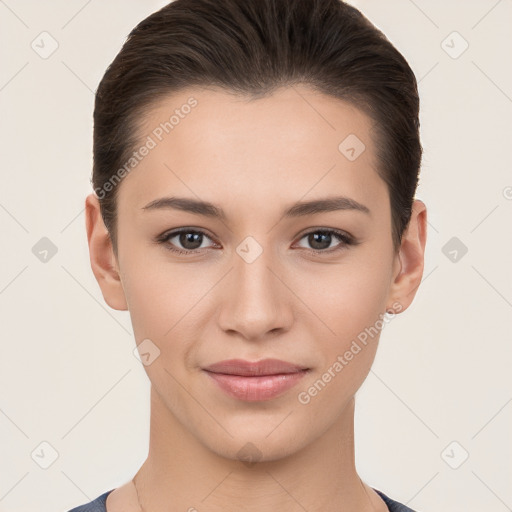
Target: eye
{"type": "Point", "coordinates": [321, 239]}
{"type": "Point", "coordinates": [190, 240]}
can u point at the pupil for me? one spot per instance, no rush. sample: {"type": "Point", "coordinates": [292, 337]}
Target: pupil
{"type": "Point", "coordinates": [323, 245]}
{"type": "Point", "coordinates": [189, 237]}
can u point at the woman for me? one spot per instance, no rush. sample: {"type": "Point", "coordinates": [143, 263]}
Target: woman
{"type": "Point", "coordinates": [255, 166]}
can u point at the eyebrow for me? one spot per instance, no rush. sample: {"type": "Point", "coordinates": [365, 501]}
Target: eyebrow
{"type": "Point", "coordinates": [298, 209]}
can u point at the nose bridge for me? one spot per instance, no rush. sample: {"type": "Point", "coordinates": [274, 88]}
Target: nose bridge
{"type": "Point", "coordinates": [257, 302]}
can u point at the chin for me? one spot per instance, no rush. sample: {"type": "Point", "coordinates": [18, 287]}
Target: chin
{"type": "Point", "coordinates": [258, 443]}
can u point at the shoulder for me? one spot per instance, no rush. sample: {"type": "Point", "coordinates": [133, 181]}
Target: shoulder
{"type": "Point", "coordinates": [97, 505]}
{"type": "Point", "coordinates": [393, 506]}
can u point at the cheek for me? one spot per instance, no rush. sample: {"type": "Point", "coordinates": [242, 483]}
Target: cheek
{"type": "Point", "coordinates": [345, 300]}
{"type": "Point", "coordinates": [346, 357]}
{"type": "Point", "coordinates": [349, 306]}
{"type": "Point", "coordinates": [163, 308]}
{"type": "Point", "coordinates": [161, 297]}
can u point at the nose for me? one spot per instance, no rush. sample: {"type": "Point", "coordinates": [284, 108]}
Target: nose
{"type": "Point", "coordinates": [256, 303]}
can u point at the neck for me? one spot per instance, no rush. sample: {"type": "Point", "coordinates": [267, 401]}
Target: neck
{"type": "Point", "coordinates": [183, 474]}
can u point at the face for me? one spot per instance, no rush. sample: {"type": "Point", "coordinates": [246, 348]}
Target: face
{"type": "Point", "coordinates": [305, 286]}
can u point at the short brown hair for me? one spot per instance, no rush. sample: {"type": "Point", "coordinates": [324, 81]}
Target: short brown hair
{"type": "Point", "coordinates": [253, 47]}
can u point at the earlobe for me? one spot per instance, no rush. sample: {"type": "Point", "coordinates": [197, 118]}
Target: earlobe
{"type": "Point", "coordinates": [101, 253]}
{"type": "Point", "coordinates": [411, 257]}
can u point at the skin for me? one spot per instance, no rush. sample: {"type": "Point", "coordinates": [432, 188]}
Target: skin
{"type": "Point", "coordinates": [254, 159]}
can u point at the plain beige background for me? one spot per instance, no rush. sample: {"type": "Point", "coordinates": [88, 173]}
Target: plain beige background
{"type": "Point", "coordinates": [434, 417]}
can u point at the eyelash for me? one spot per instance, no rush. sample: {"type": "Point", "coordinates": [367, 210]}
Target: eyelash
{"type": "Point", "coordinates": [345, 239]}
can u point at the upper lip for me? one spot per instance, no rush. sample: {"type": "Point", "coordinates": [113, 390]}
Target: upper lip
{"type": "Point", "coordinates": [254, 368]}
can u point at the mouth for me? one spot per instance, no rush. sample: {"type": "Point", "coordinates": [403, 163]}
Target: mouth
{"type": "Point", "coordinates": [255, 381]}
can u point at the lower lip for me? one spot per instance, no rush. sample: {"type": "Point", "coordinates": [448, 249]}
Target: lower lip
{"type": "Point", "coordinates": [254, 389]}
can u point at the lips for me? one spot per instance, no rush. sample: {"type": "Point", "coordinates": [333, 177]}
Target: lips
{"type": "Point", "coordinates": [252, 369]}
{"type": "Point", "coordinates": [255, 381]}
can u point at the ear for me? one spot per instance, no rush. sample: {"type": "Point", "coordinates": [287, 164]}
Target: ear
{"type": "Point", "coordinates": [410, 259]}
{"type": "Point", "coordinates": [103, 261]}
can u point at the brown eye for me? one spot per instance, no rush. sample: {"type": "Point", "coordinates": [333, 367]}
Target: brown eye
{"type": "Point", "coordinates": [184, 241]}
{"type": "Point", "coordinates": [320, 240]}
{"type": "Point", "coordinates": [190, 241]}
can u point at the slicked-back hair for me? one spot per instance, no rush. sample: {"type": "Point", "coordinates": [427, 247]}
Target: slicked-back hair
{"type": "Point", "coordinates": [253, 47]}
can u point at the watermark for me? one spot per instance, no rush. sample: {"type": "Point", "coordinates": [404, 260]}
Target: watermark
{"type": "Point", "coordinates": [44, 454]}
{"type": "Point", "coordinates": [455, 455]}
{"type": "Point", "coordinates": [454, 249]}
{"type": "Point", "coordinates": [151, 142]}
{"type": "Point", "coordinates": [44, 45]}
{"type": "Point", "coordinates": [454, 45]}
{"type": "Point", "coordinates": [249, 454]}
{"type": "Point", "coordinates": [304, 397]}
{"type": "Point", "coordinates": [351, 147]}
{"type": "Point", "coordinates": [507, 193]}
{"type": "Point", "coordinates": [146, 352]}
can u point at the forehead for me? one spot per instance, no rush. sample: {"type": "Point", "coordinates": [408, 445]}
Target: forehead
{"type": "Point", "coordinates": [223, 147]}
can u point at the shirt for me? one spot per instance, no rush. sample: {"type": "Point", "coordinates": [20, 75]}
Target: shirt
{"type": "Point", "coordinates": [99, 504]}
